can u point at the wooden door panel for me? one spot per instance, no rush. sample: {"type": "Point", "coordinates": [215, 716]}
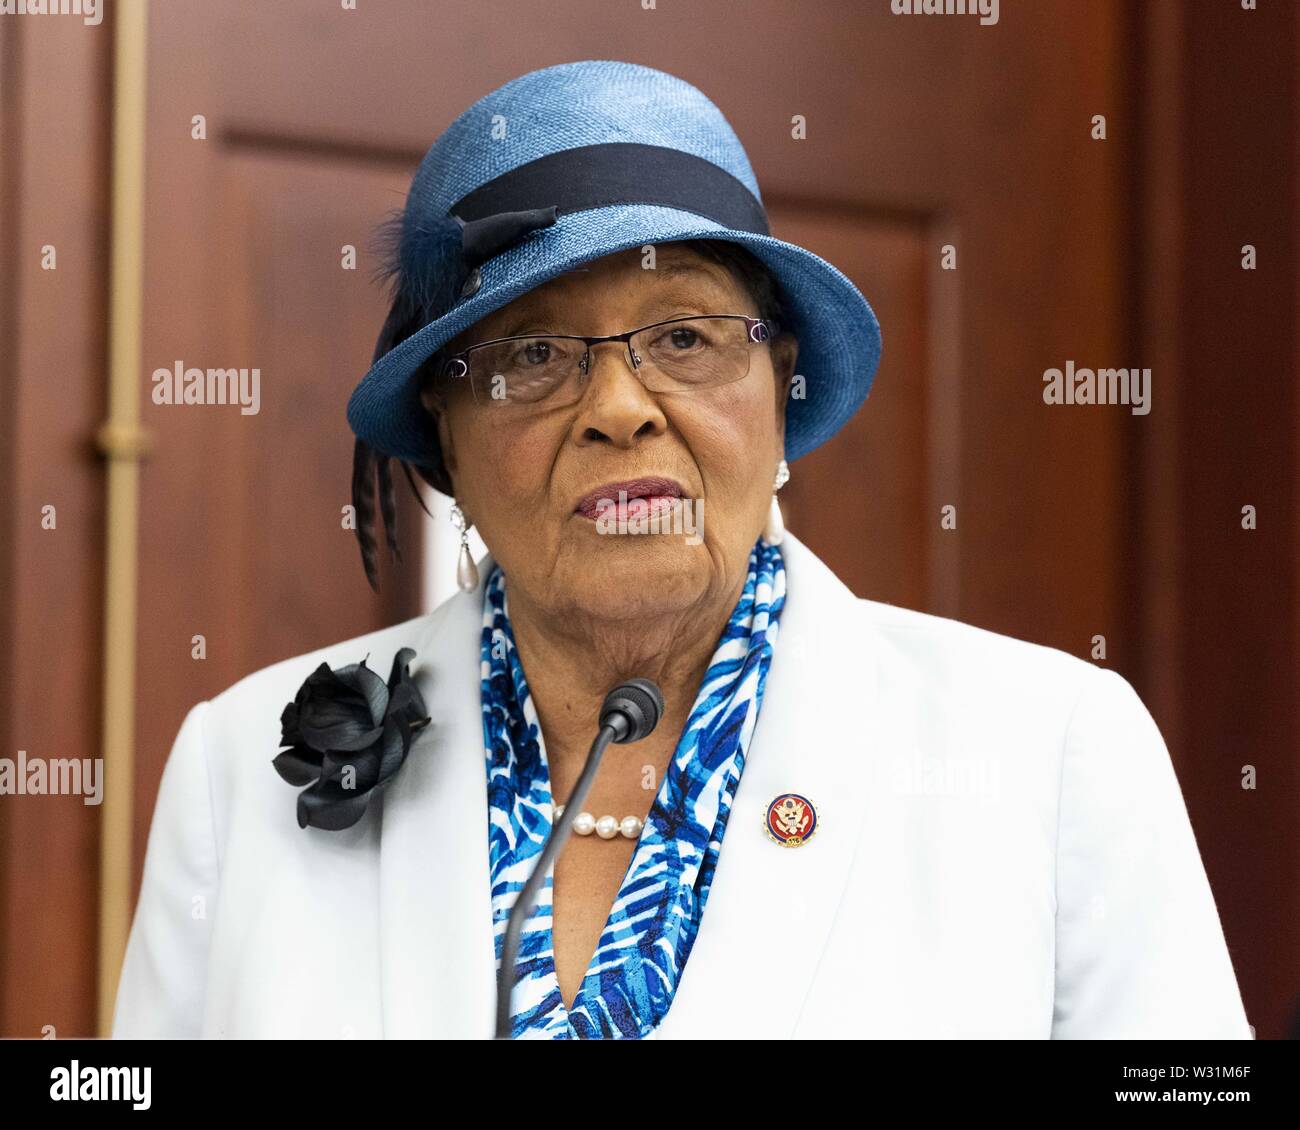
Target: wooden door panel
{"type": "Point", "coordinates": [242, 536]}
{"type": "Point", "coordinates": [862, 501]}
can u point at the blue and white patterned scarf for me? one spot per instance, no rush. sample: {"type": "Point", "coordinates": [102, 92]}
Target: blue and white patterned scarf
{"type": "Point", "coordinates": [650, 930]}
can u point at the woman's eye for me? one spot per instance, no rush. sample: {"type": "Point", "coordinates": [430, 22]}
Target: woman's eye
{"type": "Point", "coordinates": [682, 338]}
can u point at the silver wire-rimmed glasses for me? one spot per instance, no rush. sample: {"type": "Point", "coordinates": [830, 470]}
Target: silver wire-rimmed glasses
{"type": "Point", "coordinates": [679, 355]}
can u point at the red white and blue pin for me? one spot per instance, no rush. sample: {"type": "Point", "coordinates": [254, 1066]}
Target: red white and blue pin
{"type": "Point", "coordinates": [791, 820]}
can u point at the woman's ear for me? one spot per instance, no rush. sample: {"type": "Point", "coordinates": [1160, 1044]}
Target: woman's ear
{"type": "Point", "coordinates": [436, 406]}
{"type": "Point", "coordinates": [445, 445]}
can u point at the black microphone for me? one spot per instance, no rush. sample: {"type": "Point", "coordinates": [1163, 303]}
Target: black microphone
{"type": "Point", "coordinates": [633, 709]}
{"type": "Point", "coordinates": [629, 713]}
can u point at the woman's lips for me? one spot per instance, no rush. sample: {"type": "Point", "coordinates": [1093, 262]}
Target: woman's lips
{"type": "Point", "coordinates": [631, 499]}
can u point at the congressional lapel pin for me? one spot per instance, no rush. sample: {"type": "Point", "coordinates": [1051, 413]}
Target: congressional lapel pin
{"type": "Point", "coordinates": [791, 820]}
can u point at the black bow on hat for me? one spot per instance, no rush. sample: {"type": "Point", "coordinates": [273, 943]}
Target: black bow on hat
{"type": "Point", "coordinates": [434, 264]}
{"type": "Point", "coordinates": [483, 238]}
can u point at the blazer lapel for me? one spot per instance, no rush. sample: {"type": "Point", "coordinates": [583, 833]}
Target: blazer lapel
{"type": "Point", "coordinates": [771, 907]}
{"type": "Point", "coordinates": [438, 969]}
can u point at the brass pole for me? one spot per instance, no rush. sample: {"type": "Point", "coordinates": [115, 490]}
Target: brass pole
{"type": "Point", "coordinates": [122, 442]}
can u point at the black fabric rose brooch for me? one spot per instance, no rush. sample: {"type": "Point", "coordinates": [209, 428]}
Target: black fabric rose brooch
{"type": "Point", "coordinates": [348, 732]}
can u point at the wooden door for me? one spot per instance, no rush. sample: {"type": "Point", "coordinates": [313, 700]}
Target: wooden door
{"type": "Point", "coordinates": [950, 168]}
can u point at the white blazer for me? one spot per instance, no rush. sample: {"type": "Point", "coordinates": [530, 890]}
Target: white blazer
{"type": "Point", "coordinates": [1003, 851]}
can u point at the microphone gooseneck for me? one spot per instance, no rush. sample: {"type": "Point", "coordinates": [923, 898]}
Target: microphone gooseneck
{"type": "Point", "coordinates": [629, 713]}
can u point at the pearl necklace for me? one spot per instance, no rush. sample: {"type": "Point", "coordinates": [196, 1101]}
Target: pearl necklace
{"type": "Point", "coordinates": [607, 827]}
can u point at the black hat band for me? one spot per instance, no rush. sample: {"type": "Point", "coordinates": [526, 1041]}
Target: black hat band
{"type": "Point", "coordinates": [597, 176]}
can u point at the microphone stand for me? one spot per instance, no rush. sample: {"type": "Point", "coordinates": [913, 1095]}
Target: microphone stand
{"type": "Point", "coordinates": [613, 730]}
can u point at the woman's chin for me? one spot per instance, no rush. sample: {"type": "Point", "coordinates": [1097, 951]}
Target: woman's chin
{"type": "Point", "coordinates": [613, 575]}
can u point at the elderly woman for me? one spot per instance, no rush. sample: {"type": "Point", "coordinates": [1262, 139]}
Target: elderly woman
{"type": "Point", "coordinates": [598, 351]}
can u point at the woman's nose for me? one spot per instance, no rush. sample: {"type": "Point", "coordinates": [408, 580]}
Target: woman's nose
{"type": "Point", "coordinates": [616, 408]}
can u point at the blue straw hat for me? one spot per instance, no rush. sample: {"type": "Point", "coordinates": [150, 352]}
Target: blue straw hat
{"type": "Point", "coordinates": [562, 166]}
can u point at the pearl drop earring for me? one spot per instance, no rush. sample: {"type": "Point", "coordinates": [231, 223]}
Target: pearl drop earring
{"type": "Point", "coordinates": [466, 570]}
{"type": "Point", "coordinates": [774, 531]}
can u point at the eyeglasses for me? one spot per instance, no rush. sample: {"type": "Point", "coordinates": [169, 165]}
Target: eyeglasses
{"type": "Point", "coordinates": [680, 355]}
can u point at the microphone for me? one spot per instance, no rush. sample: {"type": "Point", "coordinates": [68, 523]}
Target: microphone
{"type": "Point", "coordinates": [633, 709]}
{"type": "Point", "coordinates": [629, 713]}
